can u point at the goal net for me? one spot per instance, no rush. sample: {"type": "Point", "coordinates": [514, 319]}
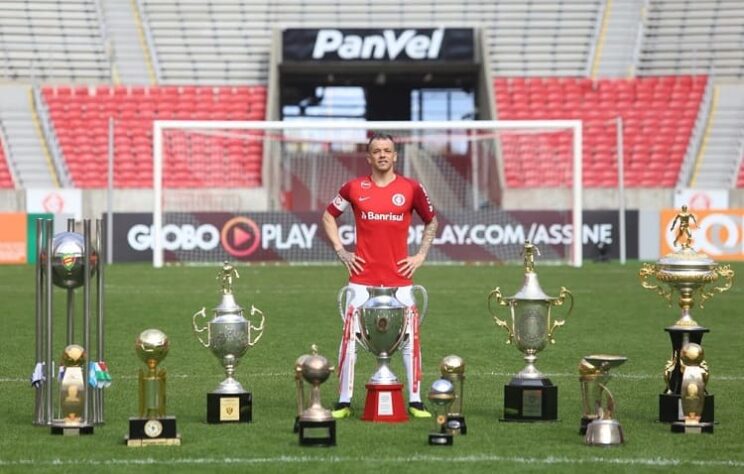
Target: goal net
{"type": "Point", "coordinates": [255, 191]}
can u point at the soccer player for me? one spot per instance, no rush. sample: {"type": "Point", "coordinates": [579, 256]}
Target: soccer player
{"type": "Point", "coordinates": [383, 203]}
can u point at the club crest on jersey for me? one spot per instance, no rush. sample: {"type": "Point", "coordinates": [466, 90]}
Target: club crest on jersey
{"type": "Point", "coordinates": [399, 199]}
{"type": "Point", "coordinates": [366, 185]}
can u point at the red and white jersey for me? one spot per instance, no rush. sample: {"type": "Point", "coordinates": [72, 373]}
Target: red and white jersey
{"type": "Point", "coordinates": [382, 216]}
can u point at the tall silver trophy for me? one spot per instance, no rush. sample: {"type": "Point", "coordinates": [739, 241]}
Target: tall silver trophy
{"type": "Point", "coordinates": [382, 322]}
{"type": "Point", "coordinates": [530, 395]}
{"type": "Point", "coordinates": [229, 336]}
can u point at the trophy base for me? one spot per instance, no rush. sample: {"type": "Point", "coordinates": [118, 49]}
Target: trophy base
{"type": "Point", "coordinates": [153, 432]}
{"type": "Point", "coordinates": [456, 425]}
{"type": "Point", "coordinates": [296, 427]}
{"type": "Point", "coordinates": [530, 400]}
{"type": "Point", "coordinates": [64, 430]}
{"type": "Point", "coordinates": [604, 433]}
{"type": "Point", "coordinates": [585, 420]}
{"type": "Point", "coordinates": [670, 408]}
{"type": "Point", "coordinates": [229, 407]}
{"type": "Point", "coordinates": [384, 404]}
{"type": "Point", "coordinates": [692, 428]}
{"type": "Point", "coordinates": [317, 433]}
{"type": "Point", "coordinates": [440, 439]}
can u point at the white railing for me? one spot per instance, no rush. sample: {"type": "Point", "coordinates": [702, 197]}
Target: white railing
{"type": "Point", "coordinates": [696, 137]}
{"type": "Point", "coordinates": [152, 51]}
{"type": "Point", "coordinates": [595, 39]}
{"type": "Point", "coordinates": [8, 160]}
{"type": "Point", "coordinates": [50, 136]}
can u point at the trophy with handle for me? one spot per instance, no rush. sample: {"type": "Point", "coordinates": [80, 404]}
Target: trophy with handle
{"type": "Point", "coordinates": [229, 336]}
{"type": "Point", "coordinates": [530, 395]}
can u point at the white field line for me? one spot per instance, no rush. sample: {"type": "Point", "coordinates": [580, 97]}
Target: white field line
{"type": "Point", "coordinates": [550, 460]}
{"type": "Point", "coordinates": [289, 374]}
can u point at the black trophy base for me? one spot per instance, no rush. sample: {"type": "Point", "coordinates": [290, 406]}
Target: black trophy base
{"type": "Point", "coordinates": [456, 425]}
{"type": "Point", "coordinates": [153, 432]}
{"type": "Point", "coordinates": [692, 428]}
{"type": "Point", "coordinates": [296, 428]}
{"type": "Point", "coordinates": [229, 407]}
{"type": "Point", "coordinates": [317, 433]}
{"type": "Point", "coordinates": [585, 420]}
{"type": "Point", "coordinates": [440, 439]}
{"type": "Point", "coordinates": [71, 430]}
{"type": "Point", "coordinates": [530, 400]}
{"type": "Point", "coordinates": [670, 408]}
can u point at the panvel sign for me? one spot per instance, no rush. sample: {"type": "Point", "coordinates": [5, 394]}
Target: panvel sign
{"type": "Point", "coordinates": [490, 236]}
{"type": "Point", "coordinates": [389, 45]}
{"type": "Point", "coordinates": [719, 234]}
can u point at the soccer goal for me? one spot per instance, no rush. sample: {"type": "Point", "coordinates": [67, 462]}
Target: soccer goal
{"type": "Point", "coordinates": [271, 180]}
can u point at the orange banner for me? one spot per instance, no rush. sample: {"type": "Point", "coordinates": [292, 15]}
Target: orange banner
{"type": "Point", "coordinates": [13, 238]}
{"type": "Point", "coordinates": [719, 234]}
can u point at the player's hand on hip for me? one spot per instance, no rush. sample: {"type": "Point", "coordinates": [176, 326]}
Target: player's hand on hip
{"type": "Point", "coordinates": [408, 266]}
{"type": "Point", "coordinates": [352, 261]}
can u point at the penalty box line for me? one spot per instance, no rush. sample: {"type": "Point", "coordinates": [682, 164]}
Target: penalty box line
{"type": "Point", "coordinates": [474, 459]}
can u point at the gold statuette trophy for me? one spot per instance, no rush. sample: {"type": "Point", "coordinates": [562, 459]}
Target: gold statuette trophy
{"type": "Point", "coordinates": [152, 427]}
{"type": "Point", "coordinates": [599, 423]}
{"type": "Point", "coordinates": [229, 336]}
{"type": "Point", "coordinates": [694, 379]}
{"type": "Point", "coordinates": [688, 273]}
{"type": "Point", "coordinates": [453, 369]}
{"type": "Point", "coordinates": [530, 396]}
{"type": "Point", "coordinates": [315, 425]}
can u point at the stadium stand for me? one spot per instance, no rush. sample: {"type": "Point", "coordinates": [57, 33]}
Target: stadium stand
{"type": "Point", "coordinates": [227, 42]}
{"type": "Point", "coordinates": [6, 179]}
{"type": "Point", "coordinates": [693, 37]}
{"type": "Point", "coordinates": [53, 40]}
{"type": "Point", "coordinates": [658, 115]}
{"type": "Point", "coordinates": [80, 119]}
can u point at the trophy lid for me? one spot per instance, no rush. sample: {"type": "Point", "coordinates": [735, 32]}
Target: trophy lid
{"type": "Point", "coordinates": [531, 289]}
{"type": "Point", "coordinates": [228, 305]}
{"type": "Point", "coordinates": [687, 257]}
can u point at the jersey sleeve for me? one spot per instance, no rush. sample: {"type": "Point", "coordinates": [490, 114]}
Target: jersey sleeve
{"type": "Point", "coordinates": [422, 203]}
{"type": "Point", "coordinates": [342, 200]}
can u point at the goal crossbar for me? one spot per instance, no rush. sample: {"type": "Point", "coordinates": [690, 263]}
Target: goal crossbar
{"type": "Point", "coordinates": [575, 126]}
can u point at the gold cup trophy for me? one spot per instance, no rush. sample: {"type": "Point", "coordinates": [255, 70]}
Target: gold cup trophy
{"type": "Point", "coordinates": [598, 423]}
{"type": "Point", "coordinates": [452, 368]}
{"type": "Point", "coordinates": [152, 426]}
{"type": "Point", "coordinates": [687, 273]}
{"type": "Point", "coordinates": [530, 396]}
{"type": "Point", "coordinates": [315, 425]}
{"type": "Point", "coordinates": [72, 394]}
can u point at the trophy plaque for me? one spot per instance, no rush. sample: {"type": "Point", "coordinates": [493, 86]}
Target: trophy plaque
{"type": "Point", "coordinates": [152, 427]}
{"type": "Point", "coordinates": [229, 336]}
{"type": "Point", "coordinates": [72, 394]}
{"type": "Point", "coordinates": [382, 326]}
{"type": "Point", "coordinates": [315, 425]}
{"type": "Point", "coordinates": [687, 273]}
{"type": "Point", "coordinates": [694, 378]}
{"type": "Point", "coordinates": [441, 396]}
{"type": "Point", "coordinates": [530, 396]}
{"type": "Point", "coordinates": [453, 369]}
{"type": "Point", "coordinates": [598, 423]}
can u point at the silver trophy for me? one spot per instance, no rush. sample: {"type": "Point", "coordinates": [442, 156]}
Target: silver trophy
{"type": "Point", "coordinates": [229, 335]}
{"type": "Point", "coordinates": [315, 425]}
{"type": "Point", "coordinates": [598, 422]}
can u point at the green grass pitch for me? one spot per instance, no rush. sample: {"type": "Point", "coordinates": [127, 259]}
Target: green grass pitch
{"type": "Point", "coordinates": [613, 314]}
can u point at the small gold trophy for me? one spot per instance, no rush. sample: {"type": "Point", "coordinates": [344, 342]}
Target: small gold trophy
{"type": "Point", "coordinates": [530, 395]}
{"type": "Point", "coordinates": [599, 423]}
{"type": "Point", "coordinates": [314, 369]}
{"type": "Point", "coordinates": [688, 273]}
{"type": "Point", "coordinates": [441, 396]}
{"type": "Point", "coordinates": [453, 369]}
{"type": "Point", "coordinates": [72, 394]}
{"type": "Point", "coordinates": [152, 427]}
{"type": "Point", "coordinates": [694, 380]}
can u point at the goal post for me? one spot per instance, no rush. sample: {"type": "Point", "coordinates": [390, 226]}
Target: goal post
{"type": "Point", "coordinates": [272, 141]}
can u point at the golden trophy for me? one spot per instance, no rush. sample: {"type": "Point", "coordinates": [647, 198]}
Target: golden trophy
{"type": "Point", "coordinates": [152, 427]}
{"type": "Point", "coordinates": [687, 273]}
{"type": "Point", "coordinates": [530, 396]}
{"type": "Point", "coordinates": [694, 379]}
{"type": "Point", "coordinates": [315, 425]}
{"type": "Point", "coordinates": [598, 422]}
{"type": "Point", "coordinates": [72, 394]}
{"type": "Point", "coordinates": [441, 395]}
{"type": "Point", "coordinates": [453, 369]}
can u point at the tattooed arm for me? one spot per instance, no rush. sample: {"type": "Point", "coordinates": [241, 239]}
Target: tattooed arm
{"type": "Point", "coordinates": [409, 265]}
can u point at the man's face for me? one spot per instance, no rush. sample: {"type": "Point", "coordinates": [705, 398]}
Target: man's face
{"type": "Point", "coordinates": [381, 155]}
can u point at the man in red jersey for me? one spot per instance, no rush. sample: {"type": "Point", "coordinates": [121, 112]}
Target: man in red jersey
{"type": "Point", "coordinates": [383, 204]}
